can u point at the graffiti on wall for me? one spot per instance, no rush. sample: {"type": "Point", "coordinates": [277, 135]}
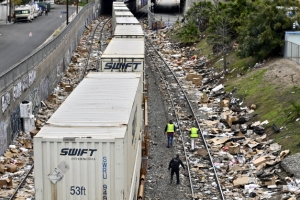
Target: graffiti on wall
{"type": "Point", "coordinates": [67, 58]}
{"type": "Point", "coordinates": [15, 122]}
{"type": "Point", "coordinates": [5, 99]}
{"type": "Point", "coordinates": [31, 77]}
{"type": "Point", "coordinates": [3, 136]}
{"type": "Point", "coordinates": [60, 67]}
{"type": "Point", "coordinates": [53, 78]}
{"type": "Point", "coordinates": [17, 90]}
{"type": "Point", "coordinates": [44, 88]}
{"type": "Point", "coordinates": [73, 45]}
{"type": "Point", "coordinates": [34, 98]}
{"type": "Point", "coordinates": [25, 83]}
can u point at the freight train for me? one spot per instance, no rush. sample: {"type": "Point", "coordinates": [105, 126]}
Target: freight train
{"type": "Point", "coordinates": [90, 148]}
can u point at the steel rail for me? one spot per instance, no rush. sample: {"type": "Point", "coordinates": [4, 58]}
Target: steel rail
{"type": "Point", "coordinates": [91, 45]}
{"type": "Point", "coordinates": [177, 119]}
{"type": "Point", "coordinates": [22, 182]}
{"type": "Point", "coordinates": [100, 40]}
{"type": "Point", "coordinates": [196, 119]}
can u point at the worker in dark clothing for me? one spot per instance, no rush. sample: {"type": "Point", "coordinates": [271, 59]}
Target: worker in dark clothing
{"type": "Point", "coordinates": [193, 136]}
{"type": "Point", "coordinates": [174, 166]}
{"type": "Point", "coordinates": [170, 129]}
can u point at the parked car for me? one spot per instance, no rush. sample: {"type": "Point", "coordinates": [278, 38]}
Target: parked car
{"type": "Point", "coordinates": [37, 10]}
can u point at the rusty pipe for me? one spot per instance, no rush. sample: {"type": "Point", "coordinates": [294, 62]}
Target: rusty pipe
{"type": "Point", "coordinates": [142, 188]}
{"type": "Point", "coordinates": [146, 111]}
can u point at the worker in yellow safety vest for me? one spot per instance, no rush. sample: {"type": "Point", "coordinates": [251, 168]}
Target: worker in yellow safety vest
{"type": "Point", "coordinates": [194, 132]}
{"type": "Point", "coordinates": [193, 136]}
{"type": "Point", "coordinates": [170, 129]}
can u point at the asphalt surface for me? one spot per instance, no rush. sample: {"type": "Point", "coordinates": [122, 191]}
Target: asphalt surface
{"type": "Point", "coordinates": [16, 42]}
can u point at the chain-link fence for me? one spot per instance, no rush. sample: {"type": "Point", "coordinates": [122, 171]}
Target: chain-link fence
{"type": "Point", "coordinates": [291, 51]}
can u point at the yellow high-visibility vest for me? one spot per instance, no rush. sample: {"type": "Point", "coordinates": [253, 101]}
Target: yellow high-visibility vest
{"type": "Point", "coordinates": [170, 128]}
{"type": "Point", "coordinates": [194, 132]}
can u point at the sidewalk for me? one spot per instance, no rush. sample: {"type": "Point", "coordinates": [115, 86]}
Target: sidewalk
{"type": "Point", "coordinates": [4, 22]}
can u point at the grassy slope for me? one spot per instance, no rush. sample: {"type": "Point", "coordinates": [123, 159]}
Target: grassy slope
{"type": "Point", "coordinates": [271, 101]}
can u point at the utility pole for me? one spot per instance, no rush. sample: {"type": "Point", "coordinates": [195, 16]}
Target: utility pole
{"type": "Point", "coordinates": [10, 4]}
{"type": "Point", "coordinates": [67, 15]}
{"type": "Point", "coordinates": [76, 6]}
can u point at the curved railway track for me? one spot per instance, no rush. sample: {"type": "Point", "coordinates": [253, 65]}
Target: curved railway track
{"type": "Point", "coordinates": [97, 42]}
{"type": "Point", "coordinates": [200, 168]}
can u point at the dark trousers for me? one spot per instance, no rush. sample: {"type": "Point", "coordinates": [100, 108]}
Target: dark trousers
{"type": "Point", "coordinates": [176, 171]}
{"type": "Point", "coordinates": [170, 139]}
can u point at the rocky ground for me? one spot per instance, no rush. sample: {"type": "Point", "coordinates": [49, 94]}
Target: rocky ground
{"type": "Point", "coordinates": [158, 177]}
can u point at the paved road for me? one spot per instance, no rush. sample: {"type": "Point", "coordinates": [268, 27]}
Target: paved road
{"type": "Point", "coordinates": [15, 43]}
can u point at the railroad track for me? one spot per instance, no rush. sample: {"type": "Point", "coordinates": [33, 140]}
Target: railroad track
{"type": "Point", "coordinates": [97, 42]}
{"type": "Point", "coordinates": [201, 171]}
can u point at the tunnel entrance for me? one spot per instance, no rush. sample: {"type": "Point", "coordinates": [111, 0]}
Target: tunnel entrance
{"type": "Point", "coordinates": [157, 6]}
{"type": "Point", "coordinates": [167, 6]}
{"type": "Point", "coordinates": [106, 7]}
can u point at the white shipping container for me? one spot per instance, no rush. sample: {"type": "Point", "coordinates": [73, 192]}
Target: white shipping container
{"type": "Point", "coordinates": [91, 146]}
{"type": "Point", "coordinates": [121, 14]}
{"type": "Point", "coordinates": [119, 9]}
{"type": "Point", "coordinates": [118, 4]}
{"type": "Point", "coordinates": [124, 14]}
{"type": "Point", "coordinates": [125, 21]}
{"type": "Point", "coordinates": [129, 31]}
{"type": "Point", "coordinates": [124, 55]}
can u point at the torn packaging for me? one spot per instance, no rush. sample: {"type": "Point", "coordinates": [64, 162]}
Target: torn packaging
{"type": "Point", "coordinates": [273, 181]}
{"type": "Point", "coordinates": [26, 142]}
{"type": "Point", "coordinates": [240, 181]}
{"type": "Point", "coordinates": [6, 182]}
{"type": "Point", "coordinates": [3, 168]}
{"type": "Point", "coordinates": [233, 148]}
{"type": "Point", "coordinates": [11, 168]}
{"type": "Point", "coordinates": [217, 140]}
{"type": "Point", "coordinates": [261, 160]}
{"type": "Point", "coordinates": [224, 103]}
{"type": "Point", "coordinates": [230, 119]}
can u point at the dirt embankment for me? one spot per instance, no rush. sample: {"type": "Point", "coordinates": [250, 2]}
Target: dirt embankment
{"type": "Point", "coordinates": [282, 72]}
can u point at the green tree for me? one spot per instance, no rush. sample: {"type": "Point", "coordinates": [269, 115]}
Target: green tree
{"type": "Point", "coordinates": [189, 33]}
{"type": "Point", "coordinates": [17, 2]}
{"type": "Point", "coordinates": [261, 32]}
{"type": "Point", "coordinates": [220, 32]}
{"type": "Point", "coordinates": [199, 14]}
{"type": "Point", "coordinates": [235, 10]}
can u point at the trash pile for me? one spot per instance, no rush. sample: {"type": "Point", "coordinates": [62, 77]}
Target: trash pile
{"type": "Point", "coordinates": [15, 164]}
{"type": "Point", "coordinates": [246, 160]}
